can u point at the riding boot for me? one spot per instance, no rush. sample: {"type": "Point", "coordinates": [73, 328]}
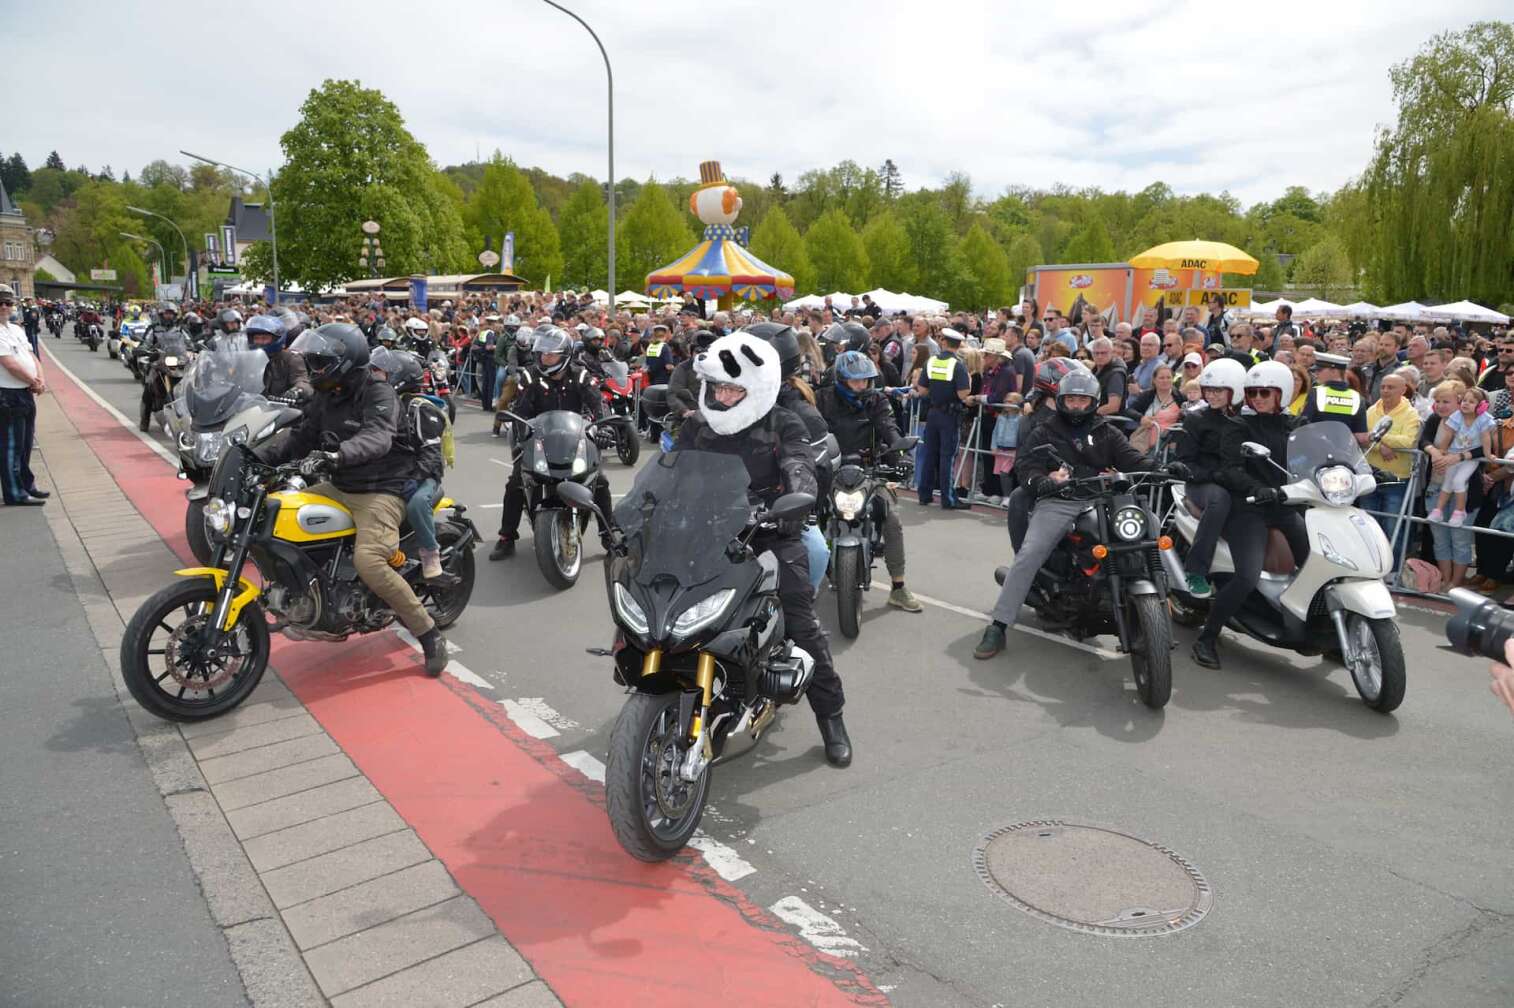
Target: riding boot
{"type": "Point", "coordinates": [1206, 652]}
{"type": "Point", "coordinates": [434, 645]}
{"type": "Point", "coordinates": [838, 747]}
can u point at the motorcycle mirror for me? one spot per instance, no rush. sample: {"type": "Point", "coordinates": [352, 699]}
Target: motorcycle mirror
{"type": "Point", "coordinates": [790, 506]}
{"type": "Point", "coordinates": [654, 400]}
{"type": "Point", "coordinates": [1253, 450]}
{"type": "Point", "coordinates": [576, 496]}
{"type": "Point", "coordinates": [1383, 427]}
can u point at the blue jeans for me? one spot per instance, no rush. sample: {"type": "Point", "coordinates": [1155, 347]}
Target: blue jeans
{"type": "Point", "coordinates": [820, 554]}
{"type": "Point", "coordinates": [1453, 544]}
{"type": "Point", "coordinates": [1389, 500]}
{"type": "Point", "coordinates": [941, 433]}
{"type": "Point", "coordinates": [418, 510]}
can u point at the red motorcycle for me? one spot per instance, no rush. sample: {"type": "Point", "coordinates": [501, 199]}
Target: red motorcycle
{"type": "Point", "coordinates": [619, 390]}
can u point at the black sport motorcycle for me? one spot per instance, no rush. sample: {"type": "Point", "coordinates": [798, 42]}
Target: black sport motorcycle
{"type": "Point", "coordinates": [558, 448]}
{"type": "Point", "coordinates": [163, 367]}
{"type": "Point", "coordinates": [1109, 575]}
{"type": "Point", "coordinates": [860, 495]}
{"type": "Point", "coordinates": [699, 643]}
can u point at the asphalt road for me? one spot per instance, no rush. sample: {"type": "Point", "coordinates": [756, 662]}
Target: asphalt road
{"type": "Point", "coordinates": [1355, 858]}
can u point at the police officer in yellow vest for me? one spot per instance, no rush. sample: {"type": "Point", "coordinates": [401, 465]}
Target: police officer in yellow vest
{"type": "Point", "coordinates": [1333, 398]}
{"type": "Point", "coordinates": [659, 355]}
{"type": "Point", "coordinates": [944, 381]}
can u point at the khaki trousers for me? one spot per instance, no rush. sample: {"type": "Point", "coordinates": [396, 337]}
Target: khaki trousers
{"type": "Point", "coordinates": [378, 517]}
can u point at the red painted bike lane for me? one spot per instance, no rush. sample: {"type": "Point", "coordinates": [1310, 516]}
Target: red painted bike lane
{"type": "Point", "coordinates": [523, 833]}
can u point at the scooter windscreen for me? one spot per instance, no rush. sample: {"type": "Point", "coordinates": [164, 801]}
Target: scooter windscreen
{"type": "Point", "coordinates": [219, 385]}
{"type": "Point", "coordinates": [1327, 454]}
{"type": "Point", "coordinates": [682, 511]}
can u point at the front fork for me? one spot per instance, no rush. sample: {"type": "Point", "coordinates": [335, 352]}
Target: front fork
{"type": "Point", "coordinates": [239, 545]}
{"type": "Point", "coordinates": [701, 750]}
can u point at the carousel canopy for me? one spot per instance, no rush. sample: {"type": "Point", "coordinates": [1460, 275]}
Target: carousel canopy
{"type": "Point", "coordinates": [719, 266]}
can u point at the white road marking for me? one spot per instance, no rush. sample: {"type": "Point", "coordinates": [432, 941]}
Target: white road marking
{"type": "Point", "coordinates": [539, 708]}
{"type": "Point", "coordinates": [1093, 649]}
{"type": "Point", "coordinates": [527, 721]}
{"type": "Point", "coordinates": [727, 863]}
{"type": "Point", "coordinates": [500, 462]}
{"type": "Point", "coordinates": [585, 764]}
{"type": "Point", "coordinates": [129, 424]}
{"type": "Point", "coordinates": [487, 507]}
{"type": "Point", "coordinates": [816, 928]}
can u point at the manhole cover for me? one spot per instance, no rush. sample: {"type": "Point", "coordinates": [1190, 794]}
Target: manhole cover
{"type": "Point", "coordinates": [1092, 879]}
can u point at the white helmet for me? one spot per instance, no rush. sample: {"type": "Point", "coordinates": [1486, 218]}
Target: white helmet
{"type": "Point", "coordinates": [1226, 373]}
{"type": "Point", "coordinates": [738, 359]}
{"type": "Point", "coordinates": [1272, 374]}
{"type": "Point", "coordinates": [416, 325]}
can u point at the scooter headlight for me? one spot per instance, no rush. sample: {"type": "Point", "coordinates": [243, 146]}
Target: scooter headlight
{"type": "Point", "coordinates": [848, 503]}
{"type": "Point", "coordinates": [702, 613]}
{"type": "Point", "coordinates": [1337, 484]}
{"type": "Point", "coordinates": [1130, 523]}
{"type": "Point", "coordinates": [217, 515]}
{"type": "Point", "coordinates": [631, 614]}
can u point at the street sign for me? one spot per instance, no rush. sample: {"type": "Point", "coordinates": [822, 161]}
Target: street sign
{"type": "Point", "coordinates": [105, 274]}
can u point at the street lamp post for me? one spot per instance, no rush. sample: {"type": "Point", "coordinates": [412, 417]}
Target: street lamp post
{"type": "Point", "coordinates": [273, 225]}
{"type": "Point", "coordinates": [190, 280]}
{"type": "Point", "coordinates": [162, 252]}
{"type": "Point", "coordinates": [610, 188]}
{"type": "Point", "coordinates": [372, 255]}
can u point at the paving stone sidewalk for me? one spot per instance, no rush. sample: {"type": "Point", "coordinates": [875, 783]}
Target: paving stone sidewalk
{"type": "Point", "coordinates": [325, 896]}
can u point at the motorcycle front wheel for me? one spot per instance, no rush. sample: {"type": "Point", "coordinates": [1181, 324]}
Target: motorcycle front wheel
{"type": "Point", "coordinates": [652, 811]}
{"type": "Point", "coordinates": [559, 547]}
{"type": "Point", "coordinates": [845, 577]}
{"type": "Point", "coordinates": [1376, 662]}
{"type": "Point", "coordinates": [1151, 650]}
{"type": "Point", "coordinates": [168, 670]}
{"type": "Point", "coordinates": [627, 444]}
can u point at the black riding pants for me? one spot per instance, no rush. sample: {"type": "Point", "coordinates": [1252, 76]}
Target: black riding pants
{"type": "Point", "coordinates": [1246, 535]}
{"type": "Point", "coordinates": [515, 501]}
{"type": "Point", "coordinates": [802, 625]}
{"type": "Point", "coordinates": [1215, 501]}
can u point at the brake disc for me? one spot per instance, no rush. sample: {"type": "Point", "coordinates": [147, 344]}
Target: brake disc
{"type": "Point", "coordinates": [184, 648]}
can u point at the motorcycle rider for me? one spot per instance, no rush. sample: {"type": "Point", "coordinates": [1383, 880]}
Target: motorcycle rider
{"type": "Point", "coordinates": [592, 355]}
{"type": "Point", "coordinates": [1200, 446]}
{"type": "Point", "coordinates": [554, 382]}
{"type": "Point", "coordinates": [739, 415]}
{"type": "Point", "coordinates": [358, 410]}
{"type": "Point", "coordinates": [229, 321]}
{"type": "Point", "coordinates": [153, 394]}
{"type": "Point", "coordinates": [864, 425]}
{"type": "Point", "coordinates": [1256, 504]}
{"type": "Point", "coordinates": [1041, 404]}
{"type": "Point", "coordinates": [1089, 444]}
{"type": "Point", "coordinates": [286, 374]}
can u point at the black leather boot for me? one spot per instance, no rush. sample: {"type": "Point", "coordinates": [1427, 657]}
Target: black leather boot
{"type": "Point", "coordinates": [838, 748]}
{"type": "Point", "coordinates": [1206, 652]}
{"type": "Point", "coordinates": [435, 647]}
{"type": "Point", "coordinates": [502, 548]}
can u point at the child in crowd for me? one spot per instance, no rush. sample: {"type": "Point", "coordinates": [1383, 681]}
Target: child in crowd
{"type": "Point", "coordinates": [1465, 431]}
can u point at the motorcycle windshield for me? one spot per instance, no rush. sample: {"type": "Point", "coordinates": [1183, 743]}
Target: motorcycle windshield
{"type": "Point", "coordinates": [560, 433]}
{"type": "Point", "coordinates": [173, 343]}
{"type": "Point", "coordinates": [1324, 443]}
{"type": "Point", "coordinates": [219, 384]}
{"type": "Point", "coordinates": [616, 371]}
{"type": "Point", "coordinates": [681, 512]}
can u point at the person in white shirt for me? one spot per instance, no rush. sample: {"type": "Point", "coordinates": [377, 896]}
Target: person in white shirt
{"type": "Point", "coordinates": [20, 381]}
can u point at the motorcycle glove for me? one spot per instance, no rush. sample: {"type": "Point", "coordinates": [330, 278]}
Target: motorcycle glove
{"type": "Point", "coordinates": [1267, 495]}
{"type": "Point", "coordinates": [1179, 470]}
{"type": "Point", "coordinates": [318, 462]}
{"type": "Point", "coordinates": [1048, 487]}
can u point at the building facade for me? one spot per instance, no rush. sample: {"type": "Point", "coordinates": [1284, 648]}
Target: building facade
{"type": "Point", "coordinates": [17, 260]}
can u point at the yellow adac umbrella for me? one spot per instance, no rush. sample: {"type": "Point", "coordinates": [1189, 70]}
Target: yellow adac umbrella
{"type": "Point", "coordinates": [1208, 256]}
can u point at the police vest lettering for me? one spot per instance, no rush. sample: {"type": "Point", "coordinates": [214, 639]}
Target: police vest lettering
{"type": "Point", "coordinates": [1338, 401]}
{"type": "Point", "coordinates": [941, 368]}
{"type": "Point", "coordinates": [654, 349]}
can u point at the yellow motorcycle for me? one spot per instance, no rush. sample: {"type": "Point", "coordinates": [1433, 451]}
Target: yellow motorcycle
{"type": "Point", "coordinates": [197, 648]}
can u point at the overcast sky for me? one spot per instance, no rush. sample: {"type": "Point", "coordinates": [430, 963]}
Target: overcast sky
{"type": "Point", "coordinates": [1113, 93]}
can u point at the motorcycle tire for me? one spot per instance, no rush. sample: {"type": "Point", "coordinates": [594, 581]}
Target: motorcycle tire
{"type": "Point", "coordinates": [451, 410]}
{"type": "Point", "coordinates": [196, 533]}
{"type": "Point", "coordinates": [1151, 654]}
{"type": "Point", "coordinates": [110, 350]}
{"type": "Point", "coordinates": [846, 578]}
{"type": "Point", "coordinates": [146, 639]}
{"type": "Point", "coordinates": [627, 445]}
{"type": "Point", "coordinates": [547, 529]}
{"type": "Point", "coordinates": [94, 344]}
{"type": "Point", "coordinates": [643, 754]}
{"type": "Point", "coordinates": [1385, 691]}
{"type": "Point", "coordinates": [446, 605]}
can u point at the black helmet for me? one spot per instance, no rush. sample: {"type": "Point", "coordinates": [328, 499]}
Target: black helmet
{"type": "Point", "coordinates": [783, 340]}
{"type": "Point", "coordinates": [857, 337]}
{"type": "Point", "coordinates": [230, 320]}
{"type": "Point", "coordinates": [402, 369]}
{"type": "Point", "coordinates": [1078, 382]}
{"type": "Point", "coordinates": [333, 353]}
{"type": "Point", "coordinates": [702, 340]}
{"type": "Point", "coordinates": [553, 341]}
{"type": "Point", "coordinates": [194, 325]}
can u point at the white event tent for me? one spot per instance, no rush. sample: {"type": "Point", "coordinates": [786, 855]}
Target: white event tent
{"type": "Point", "coordinates": [1317, 308]}
{"type": "Point", "coordinates": [1466, 311]}
{"type": "Point", "coordinates": [1408, 311]}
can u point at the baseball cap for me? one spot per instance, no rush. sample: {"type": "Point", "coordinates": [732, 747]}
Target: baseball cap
{"type": "Point", "coordinates": [1194, 357]}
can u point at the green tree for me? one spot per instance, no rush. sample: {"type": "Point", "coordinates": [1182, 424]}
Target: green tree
{"type": "Point", "coordinates": [987, 267]}
{"type": "Point", "coordinates": [1024, 252]}
{"type": "Point", "coordinates": [55, 162]}
{"type": "Point", "coordinates": [893, 184]}
{"type": "Point", "coordinates": [837, 253]}
{"type": "Point", "coordinates": [1269, 275]}
{"type": "Point", "coordinates": [584, 226]}
{"type": "Point", "coordinates": [15, 174]}
{"type": "Point", "coordinates": [777, 243]}
{"type": "Point", "coordinates": [1323, 269]}
{"type": "Point", "coordinates": [933, 247]}
{"type": "Point", "coordinates": [504, 201]}
{"type": "Point", "coordinates": [1091, 244]}
{"type": "Point", "coordinates": [888, 253]}
{"type": "Point", "coordinates": [653, 233]}
{"type": "Point", "coordinates": [350, 158]}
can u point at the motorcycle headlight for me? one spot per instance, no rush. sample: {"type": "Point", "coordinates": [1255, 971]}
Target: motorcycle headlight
{"type": "Point", "coordinates": [217, 514]}
{"type": "Point", "coordinates": [208, 445]}
{"type": "Point", "coordinates": [170, 362]}
{"type": "Point", "coordinates": [540, 464]}
{"type": "Point", "coordinates": [848, 502]}
{"type": "Point", "coordinates": [581, 459]}
{"type": "Point", "coordinates": [1130, 523]}
{"type": "Point", "coordinates": [238, 436]}
{"type": "Point", "coordinates": [1337, 484]}
{"type": "Point", "coordinates": [630, 613]}
{"type": "Point", "coordinates": [702, 613]}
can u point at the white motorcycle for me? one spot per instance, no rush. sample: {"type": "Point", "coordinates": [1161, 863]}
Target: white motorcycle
{"type": "Point", "coordinates": [1339, 598]}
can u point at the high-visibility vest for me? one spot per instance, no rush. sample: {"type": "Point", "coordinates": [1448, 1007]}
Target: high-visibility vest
{"type": "Point", "coordinates": [1344, 401]}
{"type": "Point", "coordinates": [940, 368]}
{"type": "Point", "coordinates": [654, 349]}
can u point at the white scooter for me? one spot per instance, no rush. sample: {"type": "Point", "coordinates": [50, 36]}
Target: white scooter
{"type": "Point", "coordinates": [1339, 598]}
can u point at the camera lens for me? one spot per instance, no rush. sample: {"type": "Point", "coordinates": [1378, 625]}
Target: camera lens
{"type": "Point", "coordinates": [1480, 626]}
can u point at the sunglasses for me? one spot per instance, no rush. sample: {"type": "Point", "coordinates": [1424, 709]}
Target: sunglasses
{"type": "Point", "coordinates": [1260, 393]}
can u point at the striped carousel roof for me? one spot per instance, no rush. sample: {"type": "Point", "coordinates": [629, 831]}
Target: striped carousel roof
{"type": "Point", "coordinates": [717, 266]}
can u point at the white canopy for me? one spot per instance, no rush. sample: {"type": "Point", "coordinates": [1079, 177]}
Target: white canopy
{"type": "Point", "coordinates": [1362, 309]}
{"type": "Point", "coordinates": [632, 297]}
{"type": "Point", "coordinates": [1317, 308]}
{"type": "Point", "coordinates": [1466, 311]}
{"type": "Point", "coordinates": [1409, 311]}
{"type": "Point", "coordinates": [884, 299]}
{"type": "Point", "coordinates": [1264, 309]}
